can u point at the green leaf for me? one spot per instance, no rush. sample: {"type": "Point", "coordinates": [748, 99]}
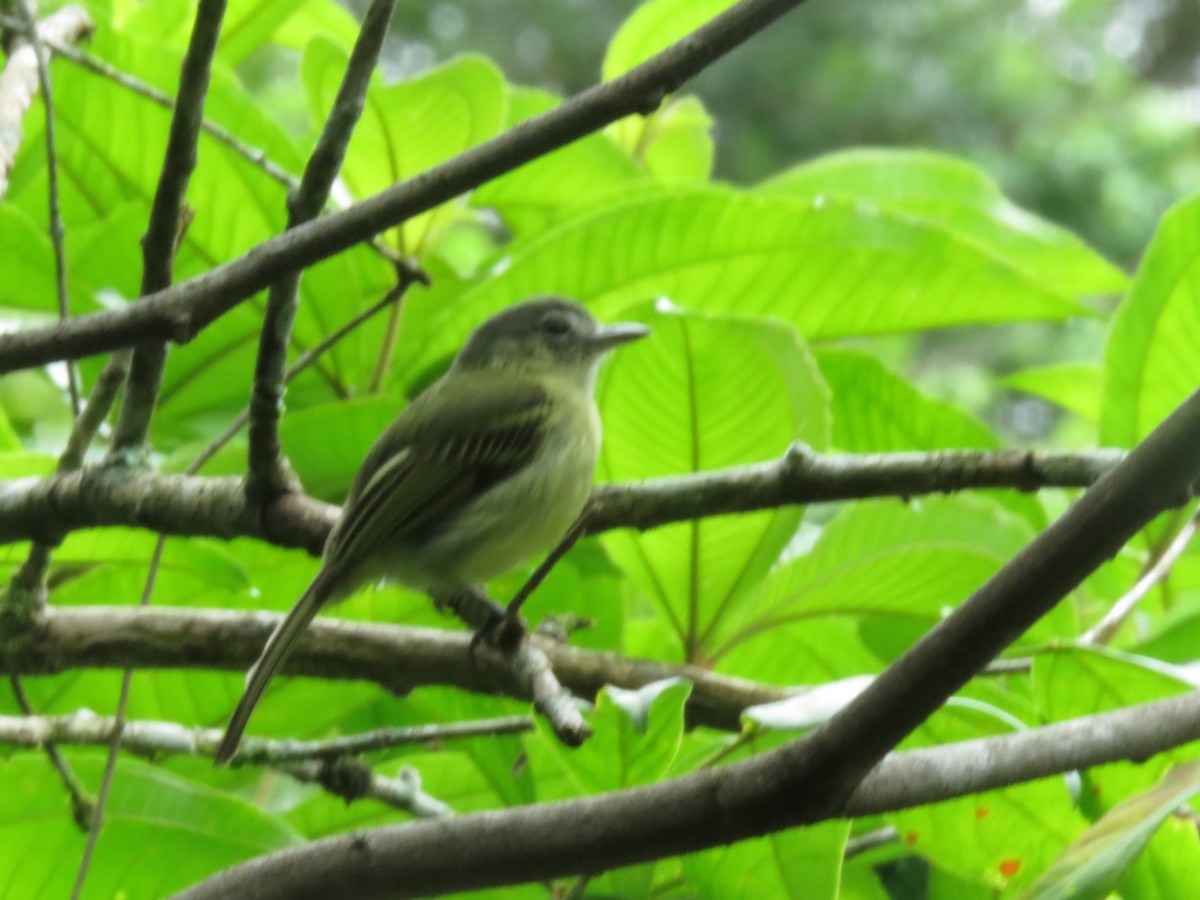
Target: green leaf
{"type": "Point", "coordinates": [1075, 386]}
{"type": "Point", "coordinates": [915, 560]}
{"type": "Point", "coordinates": [1070, 682]}
{"type": "Point", "coordinates": [1000, 838]}
{"type": "Point", "coordinates": [654, 26]}
{"type": "Point", "coordinates": [832, 268]}
{"type": "Point", "coordinates": [799, 862]}
{"type": "Point", "coordinates": [408, 127]}
{"type": "Point", "coordinates": [1092, 866]}
{"type": "Point", "coordinates": [199, 829]}
{"type": "Point", "coordinates": [556, 186]}
{"type": "Point", "coordinates": [705, 393]}
{"type": "Point", "coordinates": [637, 737]}
{"type": "Point", "coordinates": [676, 143]}
{"type": "Point", "coordinates": [326, 444]}
{"type": "Point", "coordinates": [1172, 858]}
{"type": "Point", "coordinates": [1150, 363]}
{"type": "Point", "coordinates": [950, 193]}
{"type": "Point", "coordinates": [875, 410]}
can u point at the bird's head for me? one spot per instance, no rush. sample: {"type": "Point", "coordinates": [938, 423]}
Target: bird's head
{"type": "Point", "coordinates": [549, 335]}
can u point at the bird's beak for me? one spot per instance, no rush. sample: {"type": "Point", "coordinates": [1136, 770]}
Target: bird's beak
{"type": "Point", "coordinates": [610, 336]}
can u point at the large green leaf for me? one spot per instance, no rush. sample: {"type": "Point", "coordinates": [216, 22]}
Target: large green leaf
{"type": "Point", "coordinates": [410, 126]}
{"type": "Point", "coordinates": [637, 737]}
{"type": "Point", "coordinates": [1150, 360]}
{"type": "Point", "coordinates": [875, 410]}
{"type": "Point", "coordinates": [830, 267]}
{"type": "Point", "coordinates": [1000, 838]}
{"type": "Point", "coordinates": [652, 27]}
{"type": "Point", "coordinates": [705, 393]}
{"type": "Point", "coordinates": [1092, 866]}
{"type": "Point", "coordinates": [800, 862]}
{"type": "Point", "coordinates": [950, 193]}
{"type": "Point", "coordinates": [1075, 386]}
{"type": "Point", "coordinates": [912, 560]}
{"type": "Point", "coordinates": [557, 185]}
{"type": "Point", "coordinates": [199, 829]}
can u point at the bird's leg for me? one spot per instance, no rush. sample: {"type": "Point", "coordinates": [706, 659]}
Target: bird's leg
{"type": "Point", "coordinates": [481, 613]}
{"type": "Point", "coordinates": [513, 612]}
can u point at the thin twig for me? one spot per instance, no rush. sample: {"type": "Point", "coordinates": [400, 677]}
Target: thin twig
{"type": "Point", "coordinates": [268, 472]}
{"type": "Point", "coordinates": [870, 840]}
{"type": "Point", "coordinates": [568, 540]}
{"type": "Point", "coordinates": [1106, 629]}
{"type": "Point", "coordinates": [82, 803]}
{"type": "Point", "coordinates": [56, 224]}
{"type": "Point", "coordinates": [353, 779]}
{"type": "Point", "coordinates": [110, 763]}
{"type": "Point", "coordinates": [306, 359]}
{"type": "Point", "coordinates": [253, 155]}
{"type": "Point", "coordinates": [152, 739]}
{"type": "Point", "coordinates": [160, 241]}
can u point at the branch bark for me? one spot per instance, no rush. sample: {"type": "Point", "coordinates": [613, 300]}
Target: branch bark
{"type": "Point", "coordinates": [559, 839]}
{"type": "Point", "coordinates": [269, 474]}
{"type": "Point", "coordinates": [161, 239]}
{"type": "Point", "coordinates": [178, 313]}
{"type": "Point", "coordinates": [397, 658]}
{"type": "Point", "coordinates": [32, 508]}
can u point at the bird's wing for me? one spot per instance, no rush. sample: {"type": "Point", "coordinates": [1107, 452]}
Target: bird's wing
{"type": "Point", "coordinates": [434, 460]}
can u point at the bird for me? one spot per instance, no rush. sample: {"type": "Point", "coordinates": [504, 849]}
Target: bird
{"type": "Point", "coordinates": [489, 466]}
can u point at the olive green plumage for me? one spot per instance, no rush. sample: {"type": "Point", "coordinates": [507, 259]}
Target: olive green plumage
{"type": "Point", "coordinates": [488, 467]}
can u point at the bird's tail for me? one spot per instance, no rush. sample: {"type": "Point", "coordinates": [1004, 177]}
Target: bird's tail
{"type": "Point", "coordinates": [279, 645]}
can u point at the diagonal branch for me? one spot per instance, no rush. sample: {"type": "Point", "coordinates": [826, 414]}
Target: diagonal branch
{"type": "Point", "coordinates": [162, 232]}
{"type": "Point", "coordinates": [180, 312]}
{"type": "Point", "coordinates": [558, 839]}
{"type": "Point", "coordinates": [269, 474]}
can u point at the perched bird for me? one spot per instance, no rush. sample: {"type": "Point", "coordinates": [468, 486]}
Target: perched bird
{"type": "Point", "coordinates": [489, 466]}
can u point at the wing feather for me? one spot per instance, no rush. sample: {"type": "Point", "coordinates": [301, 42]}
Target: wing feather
{"type": "Point", "coordinates": [418, 476]}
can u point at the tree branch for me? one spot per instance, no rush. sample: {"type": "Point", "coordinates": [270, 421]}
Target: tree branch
{"type": "Point", "coordinates": [269, 474]}
{"type": "Point", "coordinates": [162, 232]}
{"type": "Point", "coordinates": [178, 313]}
{"type": "Point", "coordinates": [559, 839]}
{"type": "Point", "coordinates": [216, 507]}
{"type": "Point", "coordinates": [399, 659]}
{"type": "Point", "coordinates": [805, 780]}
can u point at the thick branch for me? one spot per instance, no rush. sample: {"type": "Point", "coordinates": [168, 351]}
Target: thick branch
{"type": "Point", "coordinates": [216, 507]}
{"type": "Point", "coordinates": [397, 658]}
{"type": "Point", "coordinates": [178, 313]}
{"type": "Point", "coordinates": [269, 475]}
{"type": "Point", "coordinates": [560, 839]}
{"type": "Point", "coordinates": [162, 232]}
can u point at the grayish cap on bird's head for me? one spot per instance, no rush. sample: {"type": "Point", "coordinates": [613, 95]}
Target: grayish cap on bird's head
{"type": "Point", "coordinates": [549, 332]}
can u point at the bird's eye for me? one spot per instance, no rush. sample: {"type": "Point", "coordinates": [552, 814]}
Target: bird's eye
{"type": "Point", "coordinates": [556, 326]}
